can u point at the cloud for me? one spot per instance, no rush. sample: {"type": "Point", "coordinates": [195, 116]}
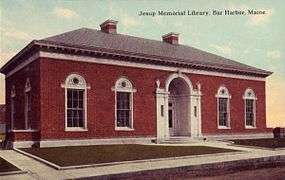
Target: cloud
{"type": "Point", "coordinates": [274, 54]}
{"type": "Point", "coordinates": [159, 19]}
{"type": "Point", "coordinates": [254, 20]}
{"type": "Point", "coordinates": [225, 49]}
{"type": "Point", "coordinates": [2, 89]}
{"type": "Point", "coordinates": [15, 33]}
{"type": "Point", "coordinates": [65, 13]}
{"type": "Point", "coordinates": [275, 105]}
{"type": "Point", "coordinates": [257, 20]}
{"type": "Point", "coordinates": [5, 56]}
{"type": "Point", "coordinates": [125, 19]}
{"type": "Point", "coordinates": [130, 22]}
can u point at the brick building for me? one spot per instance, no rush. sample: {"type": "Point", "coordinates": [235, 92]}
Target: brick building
{"type": "Point", "coordinates": [98, 86]}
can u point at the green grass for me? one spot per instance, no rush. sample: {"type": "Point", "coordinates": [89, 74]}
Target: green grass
{"type": "Point", "coordinates": [6, 166]}
{"type": "Point", "coordinates": [267, 143]}
{"type": "Point", "coordinates": [84, 155]}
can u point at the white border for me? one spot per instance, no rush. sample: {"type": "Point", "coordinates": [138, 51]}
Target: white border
{"type": "Point", "coordinates": [126, 64]}
{"type": "Point", "coordinates": [24, 130]}
{"type": "Point", "coordinates": [238, 136]}
{"type": "Point", "coordinates": [99, 141]}
{"type": "Point", "coordinates": [83, 142]}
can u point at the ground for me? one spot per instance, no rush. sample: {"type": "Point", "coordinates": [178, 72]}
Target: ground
{"type": "Point", "coordinates": [267, 143]}
{"type": "Point", "coordinates": [6, 166]}
{"type": "Point", "coordinates": [277, 173]}
{"type": "Point", "coordinates": [83, 155]}
{"type": "Point", "coordinates": [260, 174]}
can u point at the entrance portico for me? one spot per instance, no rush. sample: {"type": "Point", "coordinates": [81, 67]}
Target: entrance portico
{"type": "Point", "coordinates": [178, 108]}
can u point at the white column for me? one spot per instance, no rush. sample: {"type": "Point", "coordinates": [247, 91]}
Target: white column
{"type": "Point", "coordinates": [193, 119]}
{"type": "Point", "coordinates": [196, 123]}
{"type": "Point", "coordinates": [199, 115]}
{"type": "Point", "coordinates": [161, 113]}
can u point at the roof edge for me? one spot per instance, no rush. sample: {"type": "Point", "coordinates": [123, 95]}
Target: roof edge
{"type": "Point", "coordinates": [261, 72]}
{"type": "Point", "coordinates": [27, 48]}
{"type": "Point", "coordinates": [18, 55]}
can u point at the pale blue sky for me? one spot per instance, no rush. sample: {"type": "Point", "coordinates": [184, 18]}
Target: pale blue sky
{"type": "Point", "coordinates": [254, 40]}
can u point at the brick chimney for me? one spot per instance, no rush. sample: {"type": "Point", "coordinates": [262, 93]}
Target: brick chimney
{"type": "Point", "coordinates": [109, 26]}
{"type": "Point", "coordinates": [171, 38]}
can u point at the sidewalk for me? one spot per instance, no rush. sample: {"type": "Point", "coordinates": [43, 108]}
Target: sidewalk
{"type": "Point", "coordinates": [38, 170]}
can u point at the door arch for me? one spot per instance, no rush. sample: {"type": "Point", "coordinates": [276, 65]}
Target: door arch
{"type": "Point", "coordinates": [179, 89]}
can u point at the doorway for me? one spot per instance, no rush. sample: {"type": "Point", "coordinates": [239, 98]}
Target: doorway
{"type": "Point", "coordinates": [179, 108]}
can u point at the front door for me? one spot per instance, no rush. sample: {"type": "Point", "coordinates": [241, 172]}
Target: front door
{"type": "Point", "coordinates": [171, 118]}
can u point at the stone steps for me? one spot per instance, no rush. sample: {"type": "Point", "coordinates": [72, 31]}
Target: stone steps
{"type": "Point", "coordinates": [181, 140]}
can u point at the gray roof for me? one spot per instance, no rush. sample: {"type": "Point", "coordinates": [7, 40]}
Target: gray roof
{"type": "Point", "coordinates": [92, 38]}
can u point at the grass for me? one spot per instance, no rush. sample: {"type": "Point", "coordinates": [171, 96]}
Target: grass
{"type": "Point", "coordinates": [6, 166]}
{"type": "Point", "coordinates": [84, 155]}
{"type": "Point", "coordinates": [267, 143]}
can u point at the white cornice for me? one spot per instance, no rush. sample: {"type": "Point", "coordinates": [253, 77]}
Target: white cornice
{"type": "Point", "coordinates": [78, 58]}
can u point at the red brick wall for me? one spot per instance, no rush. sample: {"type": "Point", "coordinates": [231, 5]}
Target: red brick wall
{"type": "Point", "coordinates": [101, 99]}
{"type": "Point", "coordinates": [18, 80]}
{"type": "Point", "coordinates": [23, 136]}
{"type": "Point", "coordinates": [47, 75]}
{"type": "Point", "coordinates": [236, 87]}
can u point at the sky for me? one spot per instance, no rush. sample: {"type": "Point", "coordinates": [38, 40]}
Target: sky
{"type": "Point", "coordinates": [256, 40]}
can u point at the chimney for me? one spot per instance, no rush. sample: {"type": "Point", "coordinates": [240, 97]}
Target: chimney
{"type": "Point", "coordinates": [109, 26]}
{"type": "Point", "coordinates": [171, 38]}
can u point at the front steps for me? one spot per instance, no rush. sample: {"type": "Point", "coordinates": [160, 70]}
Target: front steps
{"type": "Point", "coordinates": [182, 140]}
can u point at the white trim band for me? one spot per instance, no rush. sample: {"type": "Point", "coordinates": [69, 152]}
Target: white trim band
{"type": "Point", "coordinates": [128, 64]}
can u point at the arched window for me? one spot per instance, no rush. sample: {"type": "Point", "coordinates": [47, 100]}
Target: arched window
{"type": "Point", "coordinates": [223, 110]}
{"type": "Point", "coordinates": [124, 104]}
{"type": "Point", "coordinates": [75, 103]}
{"type": "Point", "coordinates": [28, 104]}
{"type": "Point", "coordinates": [250, 108]}
{"type": "Point", "coordinates": [12, 104]}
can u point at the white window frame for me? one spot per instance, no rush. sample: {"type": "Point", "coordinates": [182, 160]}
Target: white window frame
{"type": "Point", "coordinates": [28, 104]}
{"type": "Point", "coordinates": [69, 84]}
{"type": "Point", "coordinates": [227, 95]}
{"type": "Point", "coordinates": [250, 95]}
{"type": "Point", "coordinates": [129, 89]}
{"type": "Point", "coordinates": [12, 105]}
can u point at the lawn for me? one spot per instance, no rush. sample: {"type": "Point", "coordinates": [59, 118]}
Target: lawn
{"type": "Point", "coordinates": [267, 143]}
{"type": "Point", "coordinates": [6, 166]}
{"type": "Point", "coordinates": [84, 155]}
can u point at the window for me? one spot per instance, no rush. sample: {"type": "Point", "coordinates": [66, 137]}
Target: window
{"type": "Point", "coordinates": [123, 109]}
{"type": "Point", "coordinates": [124, 104]}
{"type": "Point", "coordinates": [250, 108]}
{"type": "Point", "coordinates": [75, 109]}
{"type": "Point", "coordinates": [223, 103]}
{"type": "Point", "coordinates": [13, 109]}
{"type": "Point", "coordinates": [75, 103]}
{"type": "Point", "coordinates": [28, 105]}
{"type": "Point", "coordinates": [223, 112]}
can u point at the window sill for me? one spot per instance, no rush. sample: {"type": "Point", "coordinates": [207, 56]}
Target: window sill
{"type": "Point", "coordinates": [23, 130]}
{"type": "Point", "coordinates": [76, 129]}
{"type": "Point", "coordinates": [224, 127]}
{"type": "Point", "coordinates": [250, 127]}
{"type": "Point", "coordinates": [124, 129]}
